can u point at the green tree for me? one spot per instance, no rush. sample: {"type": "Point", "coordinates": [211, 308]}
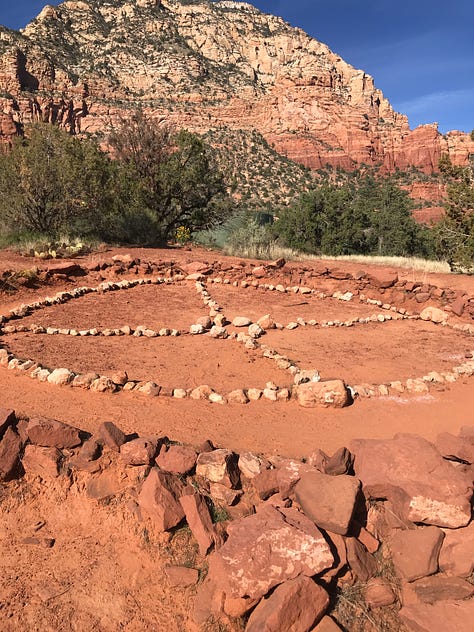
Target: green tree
{"type": "Point", "coordinates": [390, 226]}
{"type": "Point", "coordinates": [52, 182]}
{"type": "Point", "coordinates": [360, 217]}
{"type": "Point", "coordinates": [454, 235]}
{"type": "Point", "coordinates": [171, 176]}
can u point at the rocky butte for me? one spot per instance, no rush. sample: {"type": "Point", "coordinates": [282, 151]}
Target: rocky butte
{"type": "Point", "coordinates": [207, 65]}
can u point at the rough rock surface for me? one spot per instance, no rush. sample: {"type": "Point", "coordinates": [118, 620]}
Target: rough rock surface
{"type": "Point", "coordinates": [330, 393]}
{"type": "Point", "coordinates": [178, 459]}
{"type": "Point", "coordinates": [159, 497]}
{"type": "Point", "coordinates": [296, 605]}
{"type": "Point", "coordinates": [457, 552]}
{"type": "Point", "coordinates": [42, 461]}
{"type": "Point", "coordinates": [266, 549]}
{"type": "Point", "coordinates": [409, 471]}
{"type": "Point", "coordinates": [52, 433]}
{"type": "Point", "coordinates": [415, 552]}
{"type": "Point", "coordinates": [242, 68]}
{"type": "Point", "coordinates": [219, 466]}
{"type": "Point", "coordinates": [199, 520]}
{"type": "Point", "coordinates": [439, 617]}
{"type": "Point", "coordinates": [10, 446]}
{"type": "Point", "coordinates": [328, 500]}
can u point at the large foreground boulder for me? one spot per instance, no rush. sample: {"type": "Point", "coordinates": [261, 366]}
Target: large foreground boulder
{"type": "Point", "coordinates": [296, 605]}
{"type": "Point", "coordinates": [328, 500]}
{"type": "Point", "coordinates": [266, 549]}
{"type": "Point", "coordinates": [411, 473]}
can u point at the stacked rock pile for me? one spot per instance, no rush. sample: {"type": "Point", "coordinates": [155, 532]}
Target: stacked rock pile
{"type": "Point", "coordinates": [390, 519]}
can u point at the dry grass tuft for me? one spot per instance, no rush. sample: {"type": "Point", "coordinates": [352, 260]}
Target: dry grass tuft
{"type": "Point", "coordinates": [251, 250]}
{"type": "Point", "coordinates": [355, 615]}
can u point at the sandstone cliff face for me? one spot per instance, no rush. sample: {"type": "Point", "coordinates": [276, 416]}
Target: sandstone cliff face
{"type": "Point", "coordinates": [206, 65]}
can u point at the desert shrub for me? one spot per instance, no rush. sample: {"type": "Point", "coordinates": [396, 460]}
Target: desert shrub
{"type": "Point", "coordinates": [52, 182]}
{"type": "Point", "coordinates": [454, 234]}
{"type": "Point", "coordinates": [170, 178]}
{"type": "Point", "coordinates": [368, 217]}
{"type": "Point", "coordinates": [248, 237]}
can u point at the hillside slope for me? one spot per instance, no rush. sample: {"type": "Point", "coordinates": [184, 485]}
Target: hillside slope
{"type": "Point", "coordinates": [207, 65]}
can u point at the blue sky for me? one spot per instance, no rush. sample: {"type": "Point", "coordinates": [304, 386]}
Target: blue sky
{"type": "Point", "coordinates": [420, 52]}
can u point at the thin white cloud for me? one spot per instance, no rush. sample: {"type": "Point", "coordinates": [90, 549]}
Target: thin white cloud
{"type": "Point", "coordinates": [427, 102]}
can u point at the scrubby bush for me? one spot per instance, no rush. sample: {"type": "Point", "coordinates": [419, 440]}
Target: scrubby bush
{"type": "Point", "coordinates": [171, 178]}
{"type": "Point", "coordinates": [52, 182]}
{"type": "Point", "coordinates": [371, 217]}
{"type": "Point", "coordinates": [454, 234]}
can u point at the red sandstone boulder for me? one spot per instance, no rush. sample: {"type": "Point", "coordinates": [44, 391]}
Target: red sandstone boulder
{"type": "Point", "coordinates": [199, 520]}
{"type": "Point", "coordinates": [178, 459]}
{"type": "Point", "coordinates": [42, 461]}
{"type": "Point", "coordinates": [452, 447]}
{"type": "Point", "coordinates": [222, 494]}
{"type": "Point", "coordinates": [458, 305]}
{"type": "Point", "coordinates": [443, 616]}
{"type": "Point", "coordinates": [415, 552]}
{"type": "Point", "coordinates": [266, 483]}
{"type": "Point", "coordinates": [289, 472]}
{"type": "Point", "coordinates": [7, 418]}
{"type": "Point", "coordinates": [52, 433]}
{"type": "Point", "coordinates": [10, 447]}
{"type": "Point", "coordinates": [361, 562]}
{"type": "Point", "coordinates": [111, 435]}
{"type": "Point", "coordinates": [330, 393]}
{"type": "Point", "coordinates": [382, 280]}
{"type": "Point", "coordinates": [379, 593]}
{"type": "Point", "coordinates": [296, 605]}
{"type": "Point", "coordinates": [67, 268]}
{"type": "Point", "coordinates": [410, 472]}
{"type": "Point", "coordinates": [457, 552]}
{"type": "Point", "coordinates": [267, 548]}
{"type": "Point", "coordinates": [339, 463]}
{"type": "Point", "coordinates": [139, 451]}
{"type": "Point", "coordinates": [328, 500]}
{"type": "Point", "coordinates": [159, 498]}
{"type": "Point", "coordinates": [90, 450]}
{"type": "Point", "coordinates": [327, 625]}
{"type": "Point", "coordinates": [440, 588]}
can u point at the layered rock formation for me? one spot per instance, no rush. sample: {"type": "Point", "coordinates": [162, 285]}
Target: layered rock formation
{"type": "Point", "coordinates": [206, 65]}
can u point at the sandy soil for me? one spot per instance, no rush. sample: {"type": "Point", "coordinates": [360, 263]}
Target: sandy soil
{"type": "Point", "coordinates": [378, 352]}
{"type": "Point", "coordinates": [105, 570]}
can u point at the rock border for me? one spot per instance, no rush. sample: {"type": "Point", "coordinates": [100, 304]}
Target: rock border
{"type": "Point", "coordinates": [392, 517]}
{"type": "Point", "coordinates": [214, 326]}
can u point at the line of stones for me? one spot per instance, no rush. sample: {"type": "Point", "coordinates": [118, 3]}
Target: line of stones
{"type": "Point", "coordinates": [419, 385]}
{"type": "Point", "coordinates": [271, 391]}
{"type": "Point", "coordinates": [95, 382]}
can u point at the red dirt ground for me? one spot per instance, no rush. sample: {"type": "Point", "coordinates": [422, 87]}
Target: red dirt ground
{"type": "Point", "coordinates": [105, 571]}
{"type": "Point", "coordinates": [284, 427]}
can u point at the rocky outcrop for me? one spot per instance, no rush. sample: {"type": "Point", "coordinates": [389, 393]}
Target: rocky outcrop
{"type": "Point", "coordinates": [284, 561]}
{"type": "Point", "coordinates": [203, 65]}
